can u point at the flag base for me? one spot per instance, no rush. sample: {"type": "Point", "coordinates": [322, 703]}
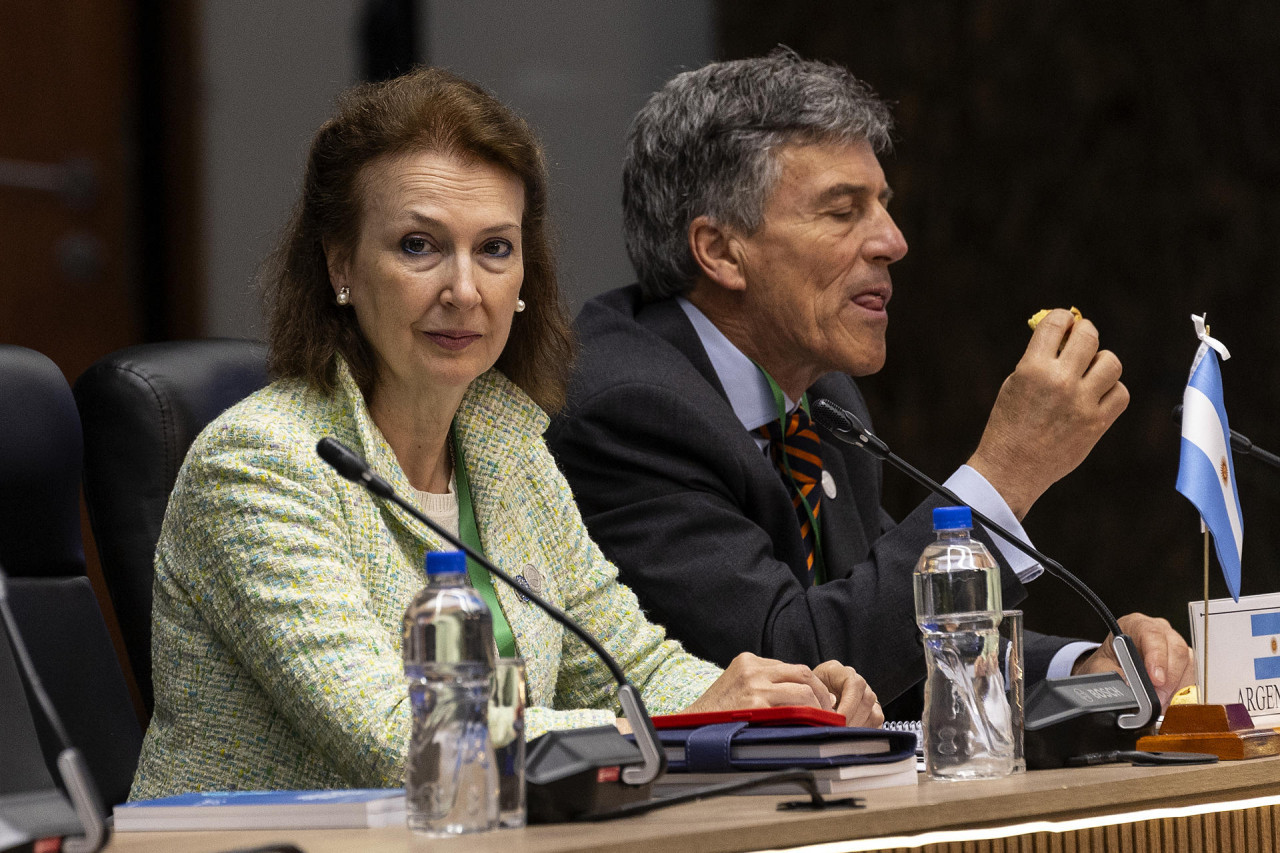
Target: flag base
{"type": "Point", "coordinates": [1223, 730]}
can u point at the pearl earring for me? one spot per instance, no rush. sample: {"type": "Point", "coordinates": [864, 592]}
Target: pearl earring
{"type": "Point", "coordinates": [344, 295]}
{"type": "Point", "coordinates": [519, 305]}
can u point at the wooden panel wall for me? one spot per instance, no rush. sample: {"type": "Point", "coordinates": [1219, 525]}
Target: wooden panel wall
{"type": "Point", "coordinates": [1118, 157]}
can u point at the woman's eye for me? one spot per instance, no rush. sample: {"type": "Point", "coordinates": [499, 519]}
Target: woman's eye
{"type": "Point", "coordinates": [415, 245]}
{"type": "Point", "coordinates": [496, 248]}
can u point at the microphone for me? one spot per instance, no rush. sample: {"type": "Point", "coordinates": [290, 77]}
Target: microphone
{"type": "Point", "coordinates": [1240, 444]}
{"type": "Point", "coordinates": [71, 766]}
{"type": "Point", "coordinates": [847, 427]}
{"type": "Point", "coordinates": [351, 467]}
{"type": "Point", "coordinates": [569, 758]}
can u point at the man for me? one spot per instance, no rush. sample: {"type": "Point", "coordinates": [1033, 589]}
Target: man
{"type": "Point", "coordinates": [755, 214]}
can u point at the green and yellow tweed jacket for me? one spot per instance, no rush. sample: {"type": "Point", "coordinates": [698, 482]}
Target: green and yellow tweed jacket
{"type": "Point", "coordinates": [280, 588]}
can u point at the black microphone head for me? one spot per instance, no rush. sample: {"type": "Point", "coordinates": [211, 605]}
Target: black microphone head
{"type": "Point", "coordinates": [342, 458]}
{"type": "Point", "coordinates": [834, 417]}
{"type": "Point", "coordinates": [847, 427]}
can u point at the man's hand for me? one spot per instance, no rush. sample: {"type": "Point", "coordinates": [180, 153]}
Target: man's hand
{"type": "Point", "coordinates": [1050, 412]}
{"type": "Point", "coordinates": [755, 682]}
{"type": "Point", "coordinates": [1168, 660]}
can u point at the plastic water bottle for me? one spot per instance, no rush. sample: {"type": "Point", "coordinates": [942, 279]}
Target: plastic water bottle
{"type": "Point", "coordinates": [451, 777]}
{"type": "Point", "coordinates": [967, 724]}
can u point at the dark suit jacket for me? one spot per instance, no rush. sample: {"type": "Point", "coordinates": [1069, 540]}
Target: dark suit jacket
{"type": "Point", "coordinates": [696, 518]}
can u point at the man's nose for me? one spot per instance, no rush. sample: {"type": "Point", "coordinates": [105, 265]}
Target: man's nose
{"type": "Point", "coordinates": [887, 245]}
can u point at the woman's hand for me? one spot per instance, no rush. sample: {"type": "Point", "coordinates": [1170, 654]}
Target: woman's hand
{"type": "Point", "coordinates": [755, 682]}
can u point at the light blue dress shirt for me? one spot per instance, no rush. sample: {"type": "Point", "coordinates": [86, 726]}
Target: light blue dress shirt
{"type": "Point", "coordinates": [752, 401]}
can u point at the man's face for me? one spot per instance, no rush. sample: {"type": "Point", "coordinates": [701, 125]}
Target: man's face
{"type": "Point", "coordinates": [817, 270]}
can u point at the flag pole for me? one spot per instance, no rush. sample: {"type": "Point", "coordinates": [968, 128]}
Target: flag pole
{"type": "Point", "coordinates": [1206, 478]}
{"type": "Point", "coordinates": [1204, 699]}
{"type": "Point", "coordinates": [1204, 530]}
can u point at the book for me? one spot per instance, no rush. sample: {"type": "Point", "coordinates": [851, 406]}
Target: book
{"type": "Point", "coordinates": [831, 780]}
{"type": "Point", "coordinates": [783, 752]}
{"type": "Point", "coordinates": [740, 747]}
{"type": "Point", "coordinates": [335, 809]}
{"type": "Point", "coordinates": [779, 715]}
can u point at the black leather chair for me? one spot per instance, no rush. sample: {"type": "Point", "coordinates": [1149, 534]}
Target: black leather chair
{"type": "Point", "coordinates": [141, 408]}
{"type": "Point", "coordinates": [50, 595]}
{"type": "Point", "coordinates": [41, 464]}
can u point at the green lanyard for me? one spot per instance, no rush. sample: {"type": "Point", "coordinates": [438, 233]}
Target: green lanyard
{"type": "Point", "coordinates": [780, 400]}
{"type": "Point", "coordinates": [470, 534]}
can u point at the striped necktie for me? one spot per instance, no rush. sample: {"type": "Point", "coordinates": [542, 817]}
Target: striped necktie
{"type": "Point", "coordinates": [801, 452]}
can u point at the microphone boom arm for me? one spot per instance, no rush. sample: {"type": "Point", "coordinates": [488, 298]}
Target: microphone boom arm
{"type": "Point", "coordinates": [849, 429]}
{"type": "Point", "coordinates": [355, 469]}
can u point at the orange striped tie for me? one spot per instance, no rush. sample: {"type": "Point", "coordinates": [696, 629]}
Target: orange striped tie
{"type": "Point", "coordinates": [804, 457]}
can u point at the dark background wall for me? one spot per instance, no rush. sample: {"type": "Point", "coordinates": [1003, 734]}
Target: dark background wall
{"type": "Point", "coordinates": [1120, 157]}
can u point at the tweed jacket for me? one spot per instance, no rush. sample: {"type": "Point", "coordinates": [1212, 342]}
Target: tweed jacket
{"type": "Point", "coordinates": [280, 589]}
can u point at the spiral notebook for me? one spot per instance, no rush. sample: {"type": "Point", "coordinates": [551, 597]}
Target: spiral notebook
{"type": "Point", "coordinates": [916, 727]}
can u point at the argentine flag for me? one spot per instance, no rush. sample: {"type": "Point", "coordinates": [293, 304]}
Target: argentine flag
{"type": "Point", "coordinates": [1206, 474]}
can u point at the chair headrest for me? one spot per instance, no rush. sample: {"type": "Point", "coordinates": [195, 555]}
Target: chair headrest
{"type": "Point", "coordinates": [143, 405]}
{"type": "Point", "coordinates": [41, 453]}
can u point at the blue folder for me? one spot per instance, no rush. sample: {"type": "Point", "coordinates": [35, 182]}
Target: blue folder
{"type": "Point", "coordinates": [709, 749]}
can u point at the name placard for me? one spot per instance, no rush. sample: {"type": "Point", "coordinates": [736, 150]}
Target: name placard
{"type": "Point", "coordinates": [1244, 654]}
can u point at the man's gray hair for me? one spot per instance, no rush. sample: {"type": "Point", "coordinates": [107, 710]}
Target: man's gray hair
{"type": "Point", "coordinates": [702, 146]}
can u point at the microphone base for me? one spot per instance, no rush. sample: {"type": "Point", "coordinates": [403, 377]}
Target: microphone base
{"type": "Point", "coordinates": [574, 774]}
{"type": "Point", "coordinates": [1078, 715]}
{"type": "Point", "coordinates": [580, 797]}
{"type": "Point", "coordinates": [1050, 747]}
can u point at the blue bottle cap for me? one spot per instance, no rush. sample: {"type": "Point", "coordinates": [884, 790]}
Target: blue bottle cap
{"type": "Point", "coordinates": [952, 518]}
{"type": "Point", "coordinates": [446, 562]}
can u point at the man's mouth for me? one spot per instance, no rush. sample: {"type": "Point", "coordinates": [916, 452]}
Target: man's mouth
{"type": "Point", "coordinates": [873, 300]}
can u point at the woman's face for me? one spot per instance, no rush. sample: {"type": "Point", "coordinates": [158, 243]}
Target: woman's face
{"type": "Point", "coordinates": [436, 269]}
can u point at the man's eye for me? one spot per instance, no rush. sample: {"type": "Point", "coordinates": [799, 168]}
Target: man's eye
{"type": "Point", "coordinates": [415, 245]}
{"type": "Point", "coordinates": [496, 248]}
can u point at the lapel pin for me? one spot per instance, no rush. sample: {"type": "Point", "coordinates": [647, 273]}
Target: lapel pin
{"type": "Point", "coordinates": [531, 579]}
{"type": "Point", "coordinates": [828, 484]}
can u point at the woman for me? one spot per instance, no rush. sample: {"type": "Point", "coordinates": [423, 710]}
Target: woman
{"type": "Point", "coordinates": [414, 316]}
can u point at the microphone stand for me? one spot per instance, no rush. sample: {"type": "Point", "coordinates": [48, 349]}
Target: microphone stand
{"type": "Point", "coordinates": [355, 469]}
{"type": "Point", "coordinates": [71, 766]}
{"type": "Point", "coordinates": [848, 428]}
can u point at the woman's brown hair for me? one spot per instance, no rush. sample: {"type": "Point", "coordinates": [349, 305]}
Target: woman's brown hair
{"type": "Point", "coordinates": [426, 110]}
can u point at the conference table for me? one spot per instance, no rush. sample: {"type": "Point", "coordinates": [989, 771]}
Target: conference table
{"type": "Point", "coordinates": [1231, 806]}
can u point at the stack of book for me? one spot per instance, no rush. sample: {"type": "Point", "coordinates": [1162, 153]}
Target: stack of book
{"type": "Point", "coordinates": [841, 758]}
